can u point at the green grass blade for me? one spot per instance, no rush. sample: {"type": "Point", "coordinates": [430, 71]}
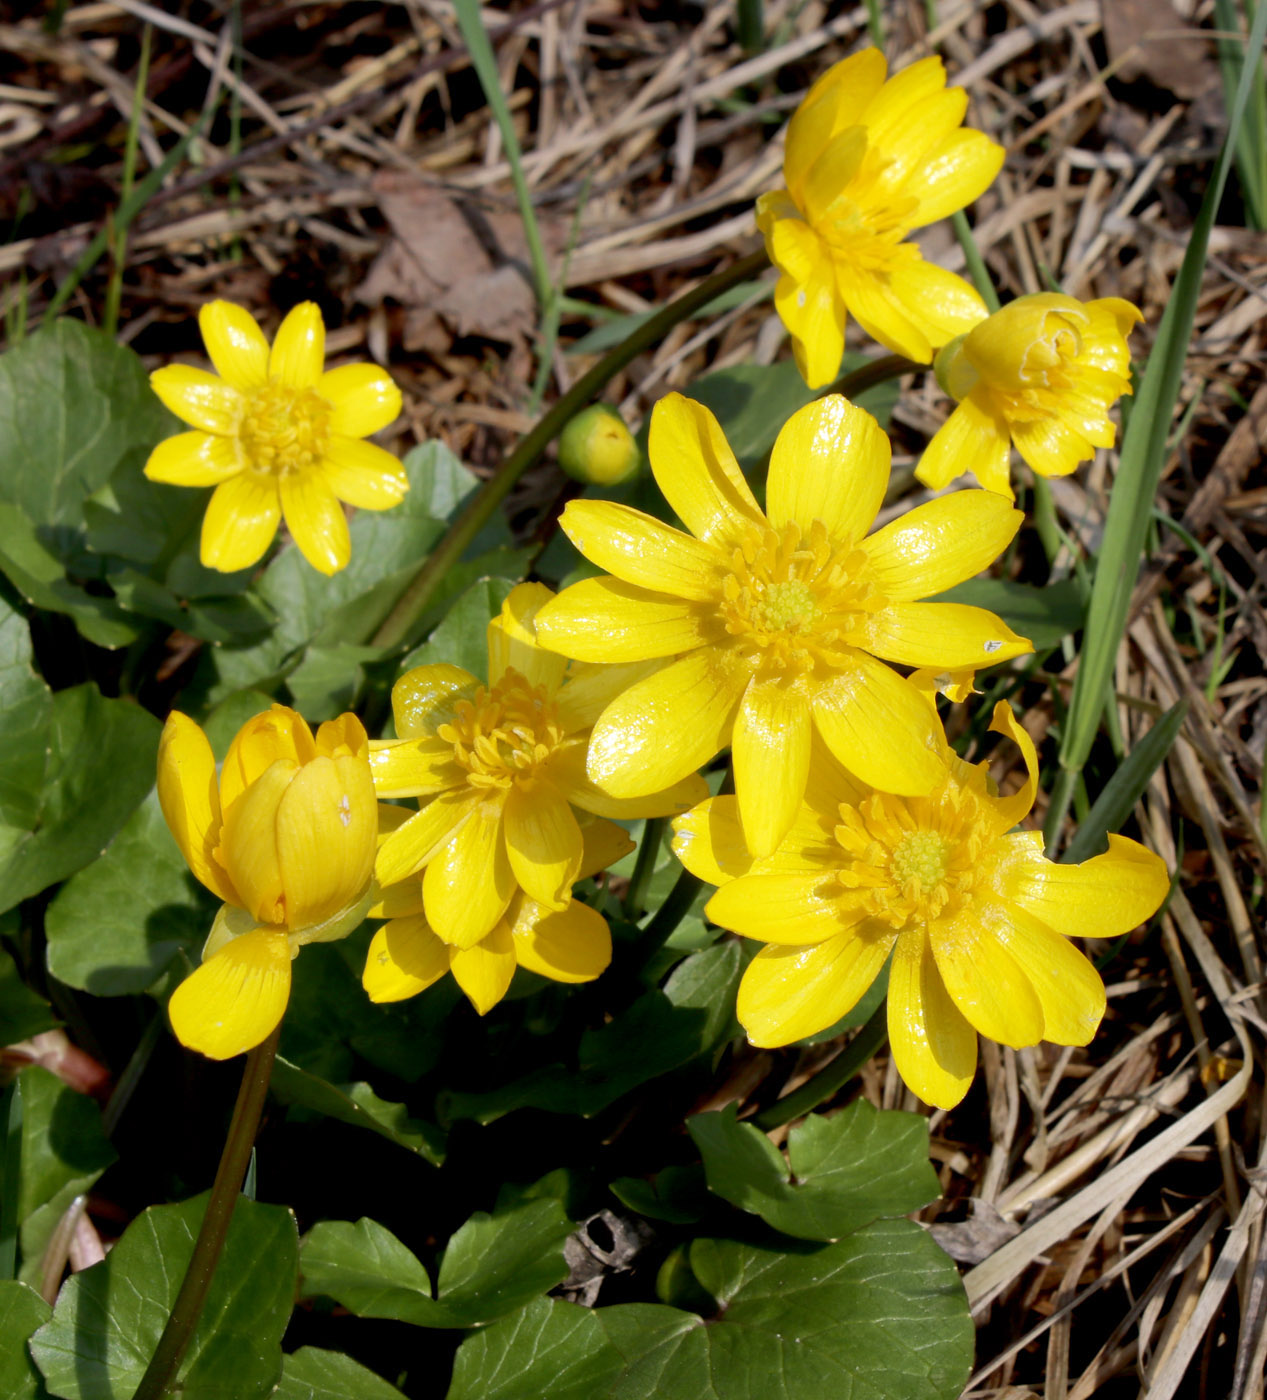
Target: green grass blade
{"type": "Point", "coordinates": [1126, 786]}
{"type": "Point", "coordinates": [1142, 458]}
{"type": "Point", "coordinates": [1251, 132]}
{"type": "Point", "coordinates": [485, 64]}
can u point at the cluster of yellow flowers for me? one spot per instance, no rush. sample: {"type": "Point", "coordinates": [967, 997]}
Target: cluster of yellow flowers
{"type": "Point", "coordinates": [856, 837]}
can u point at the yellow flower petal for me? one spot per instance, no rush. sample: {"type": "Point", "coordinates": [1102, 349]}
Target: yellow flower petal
{"type": "Point", "coordinates": [934, 1047]}
{"type": "Point", "coordinates": [512, 639]}
{"type": "Point", "coordinates": [709, 841]}
{"type": "Point", "coordinates": [1067, 986]}
{"type": "Point", "coordinates": [971, 439]}
{"type": "Point", "coordinates": [235, 343]}
{"type": "Point", "coordinates": [824, 189]}
{"type": "Point", "coordinates": [590, 687]}
{"type": "Point", "coordinates": [877, 310]}
{"type": "Point", "coordinates": [345, 735]}
{"type": "Point", "coordinates": [404, 958]}
{"type": "Point", "coordinates": [248, 843]}
{"type": "Point", "coordinates": [469, 881]}
{"type": "Point", "coordinates": [278, 732]}
{"type": "Point", "coordinates": [807, 298]}
{"type": "Point", "coordinates": [771, 747]}
{"type": "Point", "coordinates": [412, 845]}
{"type": "Point", "coordinates": [917, 83]}
{"type": "Point", "coordinates": [426, 697]}
{"type": "Point", "coordinates": [837, 100]}
{"type": "Point", "coordinates": [567, 771]}
{"type": "Point", "coordinates": [940, 544]}
{"type": "Point", "coordinates": [484, 971]}
{"type": "Point", "coordinates": [1051, 447]}
{"type": "Point", "coordinates": [830, 462]}
{"type": "Point", "coordinates": [194, 459]}
{"type": "Point", "coordinates": [645, 741]}
{"type": "Point", "coordinates": [1010, 810]}
{"type": "Point", "coordinates": [695, 468]}
{"type": "Point", "coordinates": [363, 475]}
{"type": "Point", "coordinates": [797, 909]}
{"type": "Point", "coordinates": [413, 767]}
{"type": "Point", "coordinates": [544, 844]}
{"type": "Point", "coordinates": [299, 349]}
{"type": "Point", "coordinates": [958, 172]}
{"type": "Point", "coordinates": [603, 844]}
{"type": "Point", "coordinates": [603, 619]}
{"type": "Point", "coordinates": [876, 723]}
{"type": "Point", "coordinates": [398, 901]}
{"type": "Point", "coordinates": [241, 520]}
{"type": "Point", "coordinates": [940, 303]}
{"type": "Point", "coordinates": [316, 521]}
{"type": "Point", "coordinates": [640, 550]}
{"type": "Point", "coordinates": [1103, 897]}
{"type": "Point", "coordinates": [789, 993]}
{"type": "Point", "coordinates": [363, 398]}
{"type": "Point", "coordinates": [327, 821]}
{"type": "Point", "coordinates": [949, 636]}
{"type": "Point", "coordinates": [573, 945]}
{"type": "Point", "coordinates": [198, 398]}
{"type": "Point", "coordinates": [190, 802]}
{"type": "Point", "coordinates": [235, 999]}
{"type": "Point", "coordinates": [910, 136]}
{"type": "Point", "coordinates": [985, 981]}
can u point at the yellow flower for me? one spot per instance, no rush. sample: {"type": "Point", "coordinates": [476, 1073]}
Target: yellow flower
{"type": "Point", "coordinates": [276, 436]}
{"type": "Point", "coordinates": [502, 767]}
{"type": "Point", "coordinates": [565, 945]}
{"type": "Point", "coordinates": [867, 161]}
{"type": "Point", "coordinates": [1043, 374]}
{"type": "Point", "coordinates": [768, 626]}
{"type": "Point", "coordinates": [286, 838]}
{"type": "Point", "coordinates": [978, 921]}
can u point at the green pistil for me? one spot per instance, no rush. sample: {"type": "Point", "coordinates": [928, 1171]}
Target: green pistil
{"type": "Point", "coordinates": [922, 856]}
{"type": "Point", "coordinates": [785, 605]}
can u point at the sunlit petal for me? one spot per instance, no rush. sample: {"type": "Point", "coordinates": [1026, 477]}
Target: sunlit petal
{"type": "Point", "coordinates": [567, 771]}
{"type": "Point", "coordinates": [469, 881]}
{"type": "Point", "coordinates": [299, 349]}
{"type": "Point", "coordinates": [413, 767]}
{"type": "Point", "coordinates": [327, 821]}
{"type": "Point", "coordinates": [484, 970]}
{"type": "Point", "coordinates": [199, 398]}
{"type": "Point", "coordinates": [316, 521]}
{"type": "Point", "coordinates": [190, 801]}
{"type": "Point", "coordinates": [404, 958]}
{"type": "Point", "coordinates": [512, 639]}
{"type": "Point", "coordinates": [797, 909]}
{"type": "Point", "coordinates": [363, 475]}
{"type": "Point", "coordinates": [830, 462]}
{"type": "Point", "coordinates": [363, 398]}
{"type": "Point", "coordinates": [426, 697]}
{"type": "Point", "coordinates": [240, 523]}
{"type": "Point", "coordinates": [412, 845]}
{"type": "Point", "coordinates": [604, 619]}
{"type": "Point", "coordinates": [697, 471]}
{"type": "Point", "coordinates": [934, 1047]}
{"type": "Point", "coordinates": [194, 459]}
{"type": "Point", "coordinates": [572, 945]}
{"type": "Point", "coordinates": [544, 844]}
{"type": "Point", "coordinates": [235, 999]}
{"type": "Point", "coordinates": [641, 550]}
{"type": "Point", "coordinates": [771, 751]}
{"type": "Point", "coordinates": [952, 636]}
{"type": "Point", "coordinates": [235, 343]}
{"type": "Point", "coordinates": [970, 440]}
{"type": "Point", "coordinates": [985, 981]}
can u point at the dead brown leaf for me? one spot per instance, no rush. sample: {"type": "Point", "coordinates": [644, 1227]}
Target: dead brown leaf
{"type": "Point", "coordinates": [1153, 42]}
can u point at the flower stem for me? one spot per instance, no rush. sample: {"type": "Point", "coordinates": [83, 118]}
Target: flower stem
{"type": "Point", "coordinates": [832, 1076]}
{"type": "Point", "coordinates": [644, 867]}
{"type": "Point", "coordinates": [161, 1371]}
{"type": "Point", "coordinates": [400, 623]}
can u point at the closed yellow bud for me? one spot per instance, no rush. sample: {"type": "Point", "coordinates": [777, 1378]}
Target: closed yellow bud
{"type": "Point", "coordinates": [596, 447]}
{"type": "Point", "coordinates": [285, 836]}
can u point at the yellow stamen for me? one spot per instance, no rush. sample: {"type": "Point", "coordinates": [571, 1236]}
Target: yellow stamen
{"type": "Point", "coordinates": [284, 430]}
{"type": "Point", "coordinates": [505, 733]}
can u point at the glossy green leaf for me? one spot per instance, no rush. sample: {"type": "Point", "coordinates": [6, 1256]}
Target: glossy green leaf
{"type": "Point", "coordinates": [492, 1265]}
{"type": "Point", "coordinates": [22, 1310]}
{"type": "Point", "coordinates": [108, 1318]}
{"type": "Point", "coordinates": [549, 1348]}
{"type": "Point", "coordinates": [841, 1173]}
{"type": "Point", "coordinates": [34, 569]}
{"type": "Point", "coordinates": [1045, 615]}
{"type": "Point", "coordinates": [74, 407]}
{"type": "Point", "coordinates": [119, 924]}
{"type": "Point", "coordinates": [100, 766]}
{"type": "Point", "coordinates": [677, 1194]}
{"type": "Point", "coordinates": [881, 1314]}
{"type": "Point", "coordinates": [462, 638]}
{"type": "Point", "coordinates": [23, 1013]}
{"type": "Point", "coordinates": [313, 1374]}
{"type": "Point", "coordinates": [358, 1105]}
{"type": "Point", "coordinates": [26, 710]}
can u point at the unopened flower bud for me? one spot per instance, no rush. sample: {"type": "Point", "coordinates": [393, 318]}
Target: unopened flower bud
{"type": "Point", "coordinates": [596, 447]}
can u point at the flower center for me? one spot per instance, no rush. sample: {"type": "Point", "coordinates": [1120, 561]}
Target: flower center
{"type": "Point", "coordinates": [505, 733]}
{"type": "Point", "coordinates": [912, 859]}
{"type": "Point", "coordinates": [791, 601]}
{"type": "Point", "coordinates": [284, 430]}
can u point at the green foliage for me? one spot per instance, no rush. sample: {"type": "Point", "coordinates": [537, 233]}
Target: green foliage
{"type": "Point", "coordinates": [313, 1374]}
{"type": "Point", "coordinates": [120, 923]}
{"type": "Point", "coordinates": [845, 1171]}
{"type": "Point", "coordinates": [22, 1310]}
{"type": "Point", "coordinates": [60, 1151]}
{"type": "Point", "coordinates": [108, 1318]}
{"type": "Point", "coordinates": [22, 1012]}
{"type": "Point", "coordinates": [493, 1264]}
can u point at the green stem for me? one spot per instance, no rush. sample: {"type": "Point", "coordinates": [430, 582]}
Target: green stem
{"type": "Point", "coordinates": [1058, 807]}
{"type": "Point", "coordinates": [831, 1077]}
{"type": "Point", "coordinates": [1045, 518]}
{"type": "Point", "coordinates": [871, 374]}
{"type": "Point", "coordinates": [635, 900]}
{"type": "Point", "coordinates": [676, 907]}
{"type": "Point", "coordinates": [975, 262]}
{"type": "Point", "coordinates": [226, 1188]}
{"type": "Point", "coordinates": [412, 605]}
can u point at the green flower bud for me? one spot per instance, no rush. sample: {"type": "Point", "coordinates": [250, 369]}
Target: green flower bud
{"type": "Point", "coordinates": [596, 447]}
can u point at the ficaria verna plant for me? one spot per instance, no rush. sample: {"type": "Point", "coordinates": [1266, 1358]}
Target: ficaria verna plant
{"type": "Point", "coordinates": [757, 702]}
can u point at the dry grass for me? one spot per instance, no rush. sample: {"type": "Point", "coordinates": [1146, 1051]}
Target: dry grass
{"type": "Point", "coordinates": [1107, 1203]}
